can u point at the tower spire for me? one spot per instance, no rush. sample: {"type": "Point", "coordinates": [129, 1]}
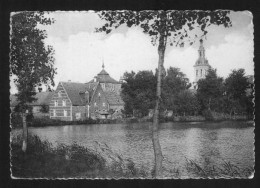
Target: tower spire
{"type": "Point", "coordinates": [201, 50]}
{"type": "Point", "coordinates": [103, 66]}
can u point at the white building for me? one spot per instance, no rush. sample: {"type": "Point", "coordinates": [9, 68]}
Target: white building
{"type": "Point", "coordinates": [201, 66]}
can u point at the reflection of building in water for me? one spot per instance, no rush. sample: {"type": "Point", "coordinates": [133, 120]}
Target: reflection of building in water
{"type": "Point", "coordinates": [201, 66]}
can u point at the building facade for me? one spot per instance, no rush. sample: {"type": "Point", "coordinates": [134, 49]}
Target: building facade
{"type": "Point", "coordinates": [98, 99]}
{"type": "Point", "coordinates": [201, 66]}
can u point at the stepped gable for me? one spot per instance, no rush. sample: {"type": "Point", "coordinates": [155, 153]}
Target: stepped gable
{"type": "Point", "coordinates": [113, 98]}
{"type": "Point", "coordinates": [74, 89]}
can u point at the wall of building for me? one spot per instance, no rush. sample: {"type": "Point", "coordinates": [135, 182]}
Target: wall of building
{"type": "Point", "coordinates": [201, 72]}
{"type": "Point", "coordinates": [79, 113]}
{"type": "Point", "coordinates": [58, 111]}
{"type": "Point", "coordinates": [98, 102]}
{"type": "Point", "coordinates": [111, 87]}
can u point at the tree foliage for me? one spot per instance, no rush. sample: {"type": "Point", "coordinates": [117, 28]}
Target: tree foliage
{"type": "Point", "coordinates": [175, 25]}
{"type": "Point", "coordinates": [210, 90]}
{"type": "Point", "coordinates": [138, 92]}
{"type": "Point", "coordinates": [236, 86]}
{"type": "Point", "coordinates": [31, 61]}
{"type": "Point", "coordinates": [172, 84]}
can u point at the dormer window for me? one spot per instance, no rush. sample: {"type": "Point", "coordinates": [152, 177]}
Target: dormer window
{"type": "Point", "coordinates": [64, 103]}
{"type": "Point", "coordinates": [59, 94]}
{"type": "Point", "coordinates": [104, 104]}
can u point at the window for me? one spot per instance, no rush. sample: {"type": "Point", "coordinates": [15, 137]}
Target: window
{"type": "Point", "coordinates": [104, 104]}
{"type": "Point", "coordinates": [78, 115]}
{"type": "Point", "coordinates": [99, 94]}
{"type": "Point", "coordinates": [64, 103]}
{"type": "Point", "coordinates": [95, 104]}
{"type": "Point", "coordinates": [55, 103]}
{"type": "Point", "coordinates": [54, 113]}
{"type": "Point", "coordinates": [65, 113]}
{"type": "Point", "coordinates": [59, 94]}
{"type": "Point", "coordinates": [197, 72]}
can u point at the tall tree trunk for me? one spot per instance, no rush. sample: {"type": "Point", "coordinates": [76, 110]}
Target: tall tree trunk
{"type": "Point", "coordinates": [25, 133]}
{"type": "Point", "coordinates": [155, 130]}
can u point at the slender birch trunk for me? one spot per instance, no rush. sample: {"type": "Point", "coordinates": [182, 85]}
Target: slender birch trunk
{"type": "Point", "coordinates": [155, 130]}
{"type": "Point", "coordinates": [25, 133]}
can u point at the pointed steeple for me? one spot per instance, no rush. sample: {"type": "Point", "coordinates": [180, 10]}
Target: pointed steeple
{"type": "Point", "coordinates": [201, 50]}
{"type": "Point", "coordinates": [103, 66]}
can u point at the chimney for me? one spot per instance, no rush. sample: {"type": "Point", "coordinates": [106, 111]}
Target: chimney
{"type": "Point", "coordinates": [87, 96]}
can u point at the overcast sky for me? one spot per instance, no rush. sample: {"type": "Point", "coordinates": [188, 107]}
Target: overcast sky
{"type": "Point", "coordinates": [79, 50]}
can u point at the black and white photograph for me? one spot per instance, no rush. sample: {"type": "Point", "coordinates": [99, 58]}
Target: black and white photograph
{"type": "Point", "coordinates": [123, 94]}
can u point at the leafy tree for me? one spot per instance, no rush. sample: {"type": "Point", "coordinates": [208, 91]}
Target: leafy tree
{"type": "Point", "coordinates": [31, 62]}
{"type": "Point", "coordinates": [236, 85]}
{"type": "Point", "coordinates": [138, 92]}
{"type": "Point", "coordinates": [187, 103]}
{"type": "Point", "coordinates": [250, 98]}
{"type": "Point", "coordinates": [164, 27]}
{"type": "Point", "coordinates": [210, 91]}
{"type": "Point", "coordinates": [173, 83]}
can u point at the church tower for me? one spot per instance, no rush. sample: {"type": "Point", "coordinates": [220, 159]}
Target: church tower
{"type": "Point", "coordinates": [201, 66]}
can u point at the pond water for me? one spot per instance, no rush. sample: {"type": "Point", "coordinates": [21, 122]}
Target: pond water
{"type": "Point", "coordinates": [204, 142]}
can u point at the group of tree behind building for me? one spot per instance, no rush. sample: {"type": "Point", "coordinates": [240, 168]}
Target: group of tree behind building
{"type": "Point", "coordinates": [213, 94]}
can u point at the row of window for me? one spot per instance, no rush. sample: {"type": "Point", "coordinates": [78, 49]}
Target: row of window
{"type": "Point", "coordinates": [63, 103]}
{"type": "Point", "coordinates": [111, 87]}
{"type": "Point", "coordinates": [104, 104]}
{"type": "Point", "coordinates": [197, 72]}
{"type": "Point", "coordinates": [65, 113]}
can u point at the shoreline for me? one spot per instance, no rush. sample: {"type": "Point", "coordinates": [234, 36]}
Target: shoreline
{"type": "Point", "coordinates": [51, 122]}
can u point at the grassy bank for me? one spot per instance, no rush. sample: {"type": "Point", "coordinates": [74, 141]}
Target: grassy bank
{"type": "Point", "coordinates": [44, 161]}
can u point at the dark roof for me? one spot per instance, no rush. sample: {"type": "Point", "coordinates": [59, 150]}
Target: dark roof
{"type": "Point", "coordinates": [43, 98]}
{"type": "Point", "coordinates": [103, 77]}
{"type": "Point", "coordinates": [113, 98]}
{"type": "Point", "coordinates": [74, 89]}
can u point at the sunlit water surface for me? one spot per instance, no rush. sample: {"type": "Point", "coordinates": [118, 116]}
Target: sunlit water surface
{"type": "Point", "coordinates": [202, 142]}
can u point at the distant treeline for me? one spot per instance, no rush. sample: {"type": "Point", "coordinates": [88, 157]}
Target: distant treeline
{"type": "Point", "coordinates": [230, 96]}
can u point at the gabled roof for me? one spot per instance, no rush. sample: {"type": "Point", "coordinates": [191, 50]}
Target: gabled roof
{"type": "Point", "coordinates": [113, 98]}
{"type": "Point", "coordinates": [74, 89]}
{"type": "Point", "coordinates": [43, 98]}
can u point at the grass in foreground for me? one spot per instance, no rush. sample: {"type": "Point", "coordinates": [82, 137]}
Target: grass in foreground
{"type": "Point", "coordinates": [42, 160]}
